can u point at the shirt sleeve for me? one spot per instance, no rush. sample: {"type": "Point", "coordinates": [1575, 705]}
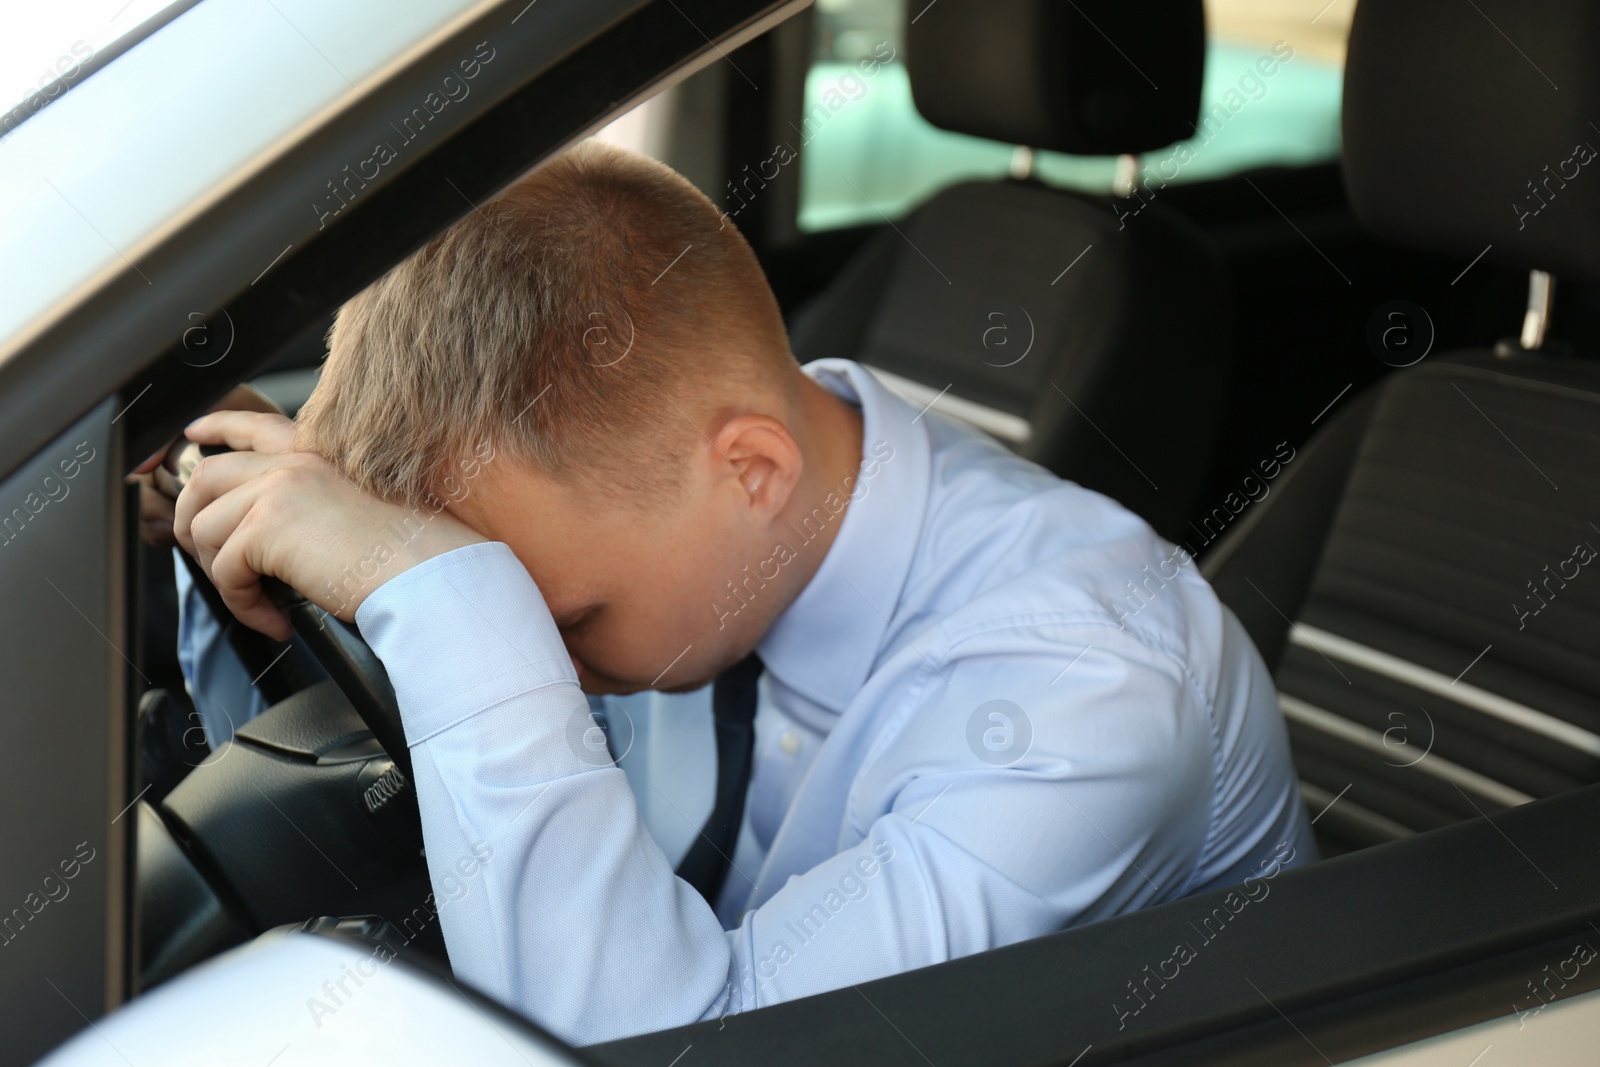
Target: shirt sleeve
{"type": "Point", "coordinates": [552, 896]}
{"type": "Point", "coordinates": [555, 900]}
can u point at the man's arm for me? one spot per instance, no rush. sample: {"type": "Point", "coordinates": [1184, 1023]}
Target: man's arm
{"type": "Point", "coordinates": [575, 918]}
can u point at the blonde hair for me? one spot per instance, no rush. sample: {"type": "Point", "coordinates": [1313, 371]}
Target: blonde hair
{"type": "Point", "coordinates": [577, 323]}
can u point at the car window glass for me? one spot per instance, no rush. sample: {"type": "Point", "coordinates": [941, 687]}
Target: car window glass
{"type": "Point", "coordinates": [867, 153]}
{"type": "Point", "coordinates": [47, 46]}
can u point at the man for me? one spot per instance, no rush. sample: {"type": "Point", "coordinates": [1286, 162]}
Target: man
{"type": "Point", "coordinates": [566, 444]}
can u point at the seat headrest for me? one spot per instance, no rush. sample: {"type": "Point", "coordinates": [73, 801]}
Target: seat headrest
{"type": "Point", "coordinates": [1090, 77]}
{"type": "Point", "coordinates": [1469, 125]}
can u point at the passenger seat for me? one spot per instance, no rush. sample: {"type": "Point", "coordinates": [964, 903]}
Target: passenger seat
{"type": "Point", "coordinates": [1435, 544]}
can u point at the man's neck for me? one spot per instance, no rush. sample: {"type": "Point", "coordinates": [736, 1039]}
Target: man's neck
{"type": "Point", "coordinates": [832, 447]}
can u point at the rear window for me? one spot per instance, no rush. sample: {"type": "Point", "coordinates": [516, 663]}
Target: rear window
{"type": "Point", "coordinates": [866, 150]}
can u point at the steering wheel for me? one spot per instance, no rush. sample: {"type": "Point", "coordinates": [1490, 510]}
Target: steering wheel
{"type": "Point", "coordinates": [337, 645]}
{"type": "Point", "coordinates": [310, 811]}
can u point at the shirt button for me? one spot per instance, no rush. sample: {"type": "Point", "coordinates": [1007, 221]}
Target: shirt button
{"type": "Point", "coordinates": [789, 742]}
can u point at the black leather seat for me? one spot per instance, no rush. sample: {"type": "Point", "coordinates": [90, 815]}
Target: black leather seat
{"type": "Point", "coordinates": [1093, 343]}
{"type": "Point", "coordinates": [1435, 544]}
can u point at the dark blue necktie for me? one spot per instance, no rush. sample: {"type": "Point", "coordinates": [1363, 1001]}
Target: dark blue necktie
{"type": "Point", "coordinates": [733, 712]}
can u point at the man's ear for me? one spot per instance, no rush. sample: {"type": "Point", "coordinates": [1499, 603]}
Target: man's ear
{"type": "Point", "coordinates": [764, 456]}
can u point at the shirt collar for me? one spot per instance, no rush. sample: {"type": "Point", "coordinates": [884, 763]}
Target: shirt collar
{"type": "Point", "coordinates": [825, 643]}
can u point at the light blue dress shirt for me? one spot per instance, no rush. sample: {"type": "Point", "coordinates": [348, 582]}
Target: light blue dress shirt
{"type": "Point", "coordinates": [1002, 706]}
{"type": "Point", "coordinates": [987, 717]}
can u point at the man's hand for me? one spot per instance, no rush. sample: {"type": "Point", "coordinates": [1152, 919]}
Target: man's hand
{"type": "Point", "coordinates": [266, 510]}
{"type": "Point", "coordinates": [157, 488]}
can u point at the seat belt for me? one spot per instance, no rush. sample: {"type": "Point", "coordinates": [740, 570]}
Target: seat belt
{"type": "Point", "coordinates": [733, 713]}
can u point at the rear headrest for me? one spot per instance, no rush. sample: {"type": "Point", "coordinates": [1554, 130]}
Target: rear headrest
{"type": "Point", "coordinates": [1090, 77]}
{"type": "Point", "coordinates": [1469, 125]}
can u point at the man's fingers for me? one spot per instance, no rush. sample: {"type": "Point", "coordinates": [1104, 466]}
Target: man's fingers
{"type": "Point", "coordinates": [155, 513]}
{"type": "Point", "coordinates": [236, 573]}
{"type": "Point", "coordinates": [228, 536]}
{"type": "Point", "coordinates": [213, 478]}
{"type": "Point", "coordinates": [158, 480]}
{"type": "Point", "coordinates": [211, 528]}
{"type": "Point", "coordinates": [243, 431]}
{"type": "Point", "coordinates": [157, 508]}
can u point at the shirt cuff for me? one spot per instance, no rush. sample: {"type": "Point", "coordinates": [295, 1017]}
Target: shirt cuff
{"type": "Point", "coordinates": [460, 633]}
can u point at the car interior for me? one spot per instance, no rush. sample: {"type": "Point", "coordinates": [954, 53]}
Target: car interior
{"type": "Point", "coordinates": [1360, 389]}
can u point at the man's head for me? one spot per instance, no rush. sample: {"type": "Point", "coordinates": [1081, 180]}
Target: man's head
{"type": "Point", "coordinates": [605, 335]}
